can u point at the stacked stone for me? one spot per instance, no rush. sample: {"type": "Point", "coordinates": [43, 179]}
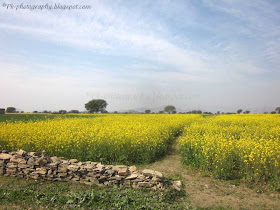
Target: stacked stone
{"type": "Point", "coordinates": [37, 165]}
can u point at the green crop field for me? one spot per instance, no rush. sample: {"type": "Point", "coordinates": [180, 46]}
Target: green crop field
{"type": "Point", "coordinates": [40, 116]}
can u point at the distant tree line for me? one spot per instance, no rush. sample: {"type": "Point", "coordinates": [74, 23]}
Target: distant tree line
{"type": "Point", "coordinates": [99, 106]}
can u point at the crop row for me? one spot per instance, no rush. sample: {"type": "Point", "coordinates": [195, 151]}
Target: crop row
{"type": "Point", "coordinates": [110, 139]}
{"type": "Point", "coordinates": [236, 146]}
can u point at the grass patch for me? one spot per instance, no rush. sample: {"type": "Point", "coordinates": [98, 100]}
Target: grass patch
{"type": "Point", "coordinates": [37, 194]}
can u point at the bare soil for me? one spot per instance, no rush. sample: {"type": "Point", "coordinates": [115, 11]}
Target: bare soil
{"type": "Point", "coordinates": [204, 191]}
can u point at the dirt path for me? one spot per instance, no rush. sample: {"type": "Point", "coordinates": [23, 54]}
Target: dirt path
{"type": "Point", "coordinates": [205, 191]}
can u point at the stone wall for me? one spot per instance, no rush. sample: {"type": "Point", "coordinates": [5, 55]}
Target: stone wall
{"type": "Point", "coordinates": [37, 165]}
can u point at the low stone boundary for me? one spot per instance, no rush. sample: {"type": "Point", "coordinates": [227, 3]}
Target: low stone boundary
{"type": "Point", "coordinates": [37, 165]}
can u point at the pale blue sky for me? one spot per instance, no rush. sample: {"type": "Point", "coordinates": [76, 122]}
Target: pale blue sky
{"type": "Point", "coordinates": [225, 51]}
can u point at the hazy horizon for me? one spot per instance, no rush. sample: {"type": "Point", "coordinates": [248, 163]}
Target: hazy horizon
{"type": "Point", "coordinates": [209, 55]}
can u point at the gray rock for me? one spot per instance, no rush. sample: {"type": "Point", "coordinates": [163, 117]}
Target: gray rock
{"type": "Point", "coordinates": [50, 172]}
{"type": "Point", "coordinates": [42, 161]}
{"type": "Point", "coordinates": [28, 170]}
{"type": "Point", "coordinates": [99, 169]}
{"type": "Point", "coordinates": [62, 174]}
{"type": "Point", "coordinates": [155, 179]}
{"type": "Point", "coordinates": [123, 172]}
{"type": "Point", "coordinates": [33, 154]}
{"type": "Point", "coordinates": [119, 178]}
{"type": "Point", "coordinates": [41, 171]}
{"type": "Point", "coordinates": [62, 168]}
{"type": "Point", "coordinates": [132, 168]}
{"type": "Point", "coordinates": [75, 179]}
{"type": "Point", "coordinates": [148, 172]}
{"type": "Point", "coordinates": [99, 165]}
{"type": "Point", "coordinates": [54, 159]}
{"type": "Point", "coordinates": [73, 168]}
{"type": "Point", "coordinates": [145, 184]}
{"type": "Point", "coordinates": [132, 176]}
{"type": "Point", "coordinates": [102, 178]}
{"type": "Point", "coordinates": [108, 167]}
{"type": "Point", "coordinates": [17, 159]}
{"type": "Point", "coordinates": [158, 174]}
{"type": "Point", "coordinates": [177, 185]}
{"type": "Point", "coordinates": [11, 170]}
{"type": "Point", "coordinates": [83, 171]}
{"type": "Point", "coordinates": [159, 185]}
{"type": "Point", "coordinates": [32, 161]}
{"type": "Point", "coordinates": [53, 165]}
{"type": "Point", "coordinates": [43, 153]}
{"type": "Point", "coordinates": [118, 167]}
{"type": "Point", "coordinates": [33, 175]}
{"type": "Point", "coordinates": [12, 165]}
{"type": "Point", "coordinates": [73, 161]}
{"type": "Point", "coordinates": [23, 165]}
{"type": "Point", "coordinates": [21, 153]}
{"type": "Point", "coordinates": [2, 163]}
{"type": "Point", "coordinates": [141, 178]}
{"type": "Point", "coordinates": [4, 156]}
{"type": "Point", "coordinates": [89, 167]}
{"type": "Point", "coordinates": [109, 172]}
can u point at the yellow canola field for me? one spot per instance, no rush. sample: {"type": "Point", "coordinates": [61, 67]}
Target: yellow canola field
{"type": "Point", "coordinates": [235, 146]}
{"type": "Point", "coordinates": [109, 138]}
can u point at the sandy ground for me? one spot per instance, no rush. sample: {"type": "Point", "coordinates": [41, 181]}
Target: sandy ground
{"type": "Point", "coordinates": [205, 191]}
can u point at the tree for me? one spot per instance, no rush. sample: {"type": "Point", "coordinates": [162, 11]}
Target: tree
{"type": "Point", "coordinates": [62, 111]}
{"type": "Point", "coordinates": [218, 112]}
{"type": "Point", "coordinates": [11, 110]}
{"type": "Point", "coordinates": [239, 111]}
{"type": "Point", "coordinates": [74, 111]}
{"type": "Point", "coordinates": [147, 111]}
{"type": "Point", "coordinates": [273, 112]}
{"type": "Point", "coordinates": [247, 112]}
{"type": "Point", "coordinates": [161, 112]}
{"type": "Point", "coordinates": [277, 109]}
{"type": "Point", "coordinates": [195, 112]}
{"type": "Point", "coordinates": [174, 112]}
{"type": "Point", "coordinates": [35, 111]}
{"type": "Point", "coordinates": [96, 105]}
{"type": "Point", "coordinates": [169, 109]}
